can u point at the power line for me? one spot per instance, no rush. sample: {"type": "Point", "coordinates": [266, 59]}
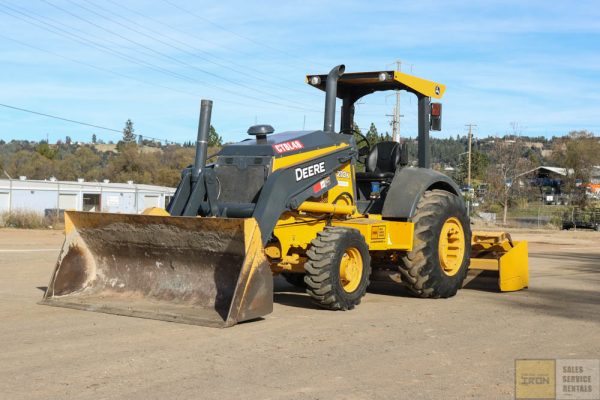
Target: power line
{"type": "Point", "coordinates": [75, 121]}
{"type": "Point", "coordinates": [98, 67]}
{"type": "Point", "coordinates": [249, 39]}
{"type": "Point", "coordinates": [109, 71]}
{"type": "Point", "coordinates": [60, 118]}
{"type": "Point", "coordinates": [176, 60]}
{"type": "Point", "coordinates": [257, 75]}
{"type": "Point", "coordinates": [87, 42]}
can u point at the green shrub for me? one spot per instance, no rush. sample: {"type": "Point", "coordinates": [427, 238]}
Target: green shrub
{"type": "Point", "coordinates": [495, 208]}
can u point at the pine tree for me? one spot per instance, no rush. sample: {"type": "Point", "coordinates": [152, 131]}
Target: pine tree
{"type": "Point", "coordinates": [128, 135]}
{"type": "Point", "coordinates": [94, 138]}
{"type": "Point", "coordinates": [372, 134]}
{"type": "Point", "coordinates": [214, 139]}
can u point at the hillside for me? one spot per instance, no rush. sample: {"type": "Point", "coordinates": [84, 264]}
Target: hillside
{"type": "Point", "coordinates": [162, 165]}
{"type": "Point", "coordinates": [118, 163]}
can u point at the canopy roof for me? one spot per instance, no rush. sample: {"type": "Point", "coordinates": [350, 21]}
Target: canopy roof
{"type": "Point", "coordinates": [358, 84]}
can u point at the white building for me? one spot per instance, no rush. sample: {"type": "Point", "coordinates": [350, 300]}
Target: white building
{"type": "Point", "coordinates": [40, 196]}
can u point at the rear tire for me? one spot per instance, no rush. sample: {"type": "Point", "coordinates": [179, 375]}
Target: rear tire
{"type": "Point", "coordinates": [433, 269]}
{"type": "Point", "coordinates": [338, 268]}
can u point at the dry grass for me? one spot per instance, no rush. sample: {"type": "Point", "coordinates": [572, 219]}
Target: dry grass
{"type": "Point", "coordinates": [24, 219]}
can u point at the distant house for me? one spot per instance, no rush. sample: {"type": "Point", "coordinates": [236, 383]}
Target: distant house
{"type": "Point", "coordinates": [549, 182]}
{"type": "Point", "coordinates": [41, 196]}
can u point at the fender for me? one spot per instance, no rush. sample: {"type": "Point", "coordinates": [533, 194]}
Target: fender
{"type": "Point", "coordinates": [408, 186]}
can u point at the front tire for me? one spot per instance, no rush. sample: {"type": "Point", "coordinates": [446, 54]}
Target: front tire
{"type": "Point", "coordinates": [439, 261]}
{"type": "Point", "coordinates": [338, 268]}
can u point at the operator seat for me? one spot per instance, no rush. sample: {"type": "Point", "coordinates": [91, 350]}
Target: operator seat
{"type": "Point", "coordinates": [382, 161]}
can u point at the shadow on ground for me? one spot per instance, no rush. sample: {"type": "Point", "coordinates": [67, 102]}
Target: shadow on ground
{"type": "Point", "coordinates": [575, 304]}
{"type": "Point", "coordinates": [289, 295]}
{"type": "Point", "coordinates": [576, 263]}
{"type": "Point", "coordinates": [483, 281]}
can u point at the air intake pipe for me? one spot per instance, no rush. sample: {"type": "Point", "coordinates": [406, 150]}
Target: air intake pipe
{"type": "Point", "coordinates": [330, 97]}
{"type": "Point", "coordinates": [202, 139]}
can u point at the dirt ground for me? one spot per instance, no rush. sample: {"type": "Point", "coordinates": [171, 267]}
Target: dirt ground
{"type": "Point", "coordinates": [391, 346]}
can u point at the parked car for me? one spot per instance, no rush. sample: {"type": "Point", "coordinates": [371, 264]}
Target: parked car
{"type": "Point", "coordinates": [582, 219]}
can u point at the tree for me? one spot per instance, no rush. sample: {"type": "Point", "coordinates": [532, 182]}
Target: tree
{"type": "Point", "coordinates": [83, 163]}
{"type": "Point", "coordinates": [30, 164]}
{"type": "Point", "coordinates": [578, 153]}
{"type": "Point", "coordinates": [214, 139]}
{"type": "Point", "coordinates": [44, 149]}
{"type": "Point", "coordinates": [479, 166]}
{"type": "Point", "coordinates": [356, 132]}
{"type": "Point", "coordinates": [128, 135]}
{"type": "Point", "coordinates": [386, 137]}
{"type": "Point", "coordinates": [94, 138]}
{"type": "Point", "coordinates": [68, 140]}
{"type": "Point", "coordinates": [372, 135]}
{"type": "Point", "coordinates": [503, 172]}
{"type": "Point", "coordinates": [131, 164]}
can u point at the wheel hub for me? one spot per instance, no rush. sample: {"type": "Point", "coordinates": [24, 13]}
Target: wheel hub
{"type": "Point", "coordinates": [351, 269]}
{"type": "Point", "coordinates": [451, 246]}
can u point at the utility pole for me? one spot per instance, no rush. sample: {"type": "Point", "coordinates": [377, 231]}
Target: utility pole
{"type": "Point", "coordinates": [470, 126]}
{"type": "Point", "coordinates": [396, 120]}
{"type": "Point", "coordinates": [396, 116]}
{"type": "Point", "coordinates": [395, 123]}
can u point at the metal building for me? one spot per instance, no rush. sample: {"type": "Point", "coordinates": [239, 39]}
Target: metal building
{"type": "Point", "coordinates": [42, 196]}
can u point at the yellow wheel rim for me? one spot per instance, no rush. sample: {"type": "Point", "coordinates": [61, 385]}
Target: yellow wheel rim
{"type": "Point", "coordinates": [452, 246]}
{"type": "Point", "coordinates": [351, 269]}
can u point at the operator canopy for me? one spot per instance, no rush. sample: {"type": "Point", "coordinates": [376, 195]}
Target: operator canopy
{"type": "Point", "coordinates": [358, 84]}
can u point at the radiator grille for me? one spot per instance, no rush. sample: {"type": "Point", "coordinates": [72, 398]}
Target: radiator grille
{"type": "Point", "coordinates": [240, 185]}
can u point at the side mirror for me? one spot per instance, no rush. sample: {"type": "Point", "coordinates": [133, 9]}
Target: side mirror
{"type": "Point", "coordinates": [435, 117]}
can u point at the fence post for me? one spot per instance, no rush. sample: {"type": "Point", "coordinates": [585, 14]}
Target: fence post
{"type": "Point", "coordinates": [10, 183]}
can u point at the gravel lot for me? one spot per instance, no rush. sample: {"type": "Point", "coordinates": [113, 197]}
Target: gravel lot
{"type": "Point", "coordinates": [391, 346]}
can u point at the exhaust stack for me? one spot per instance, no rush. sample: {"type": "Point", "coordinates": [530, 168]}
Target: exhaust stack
{"type": "Point", "coordinates": [202, 139]}
{"type": "Point", "coordinates": [330, 97]}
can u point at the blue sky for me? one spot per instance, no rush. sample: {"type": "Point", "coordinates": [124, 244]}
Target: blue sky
{"type": "Point", "coordinates": [536, 63]}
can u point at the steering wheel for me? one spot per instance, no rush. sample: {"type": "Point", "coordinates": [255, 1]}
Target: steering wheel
{"type": "Point", "coordinates": [365, 149]}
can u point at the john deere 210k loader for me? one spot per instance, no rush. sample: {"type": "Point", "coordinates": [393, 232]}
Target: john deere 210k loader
{"type": "Point", "coordinates": [290, 203]}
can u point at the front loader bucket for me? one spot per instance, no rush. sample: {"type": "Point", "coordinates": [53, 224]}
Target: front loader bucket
{"type": "Point", "coordinates": [496, 251]}
{"type": "Point", "coordinates": [203, 271]}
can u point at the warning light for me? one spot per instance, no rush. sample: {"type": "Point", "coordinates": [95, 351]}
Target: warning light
{"type": "Point", "coordinates": [436, 117]}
